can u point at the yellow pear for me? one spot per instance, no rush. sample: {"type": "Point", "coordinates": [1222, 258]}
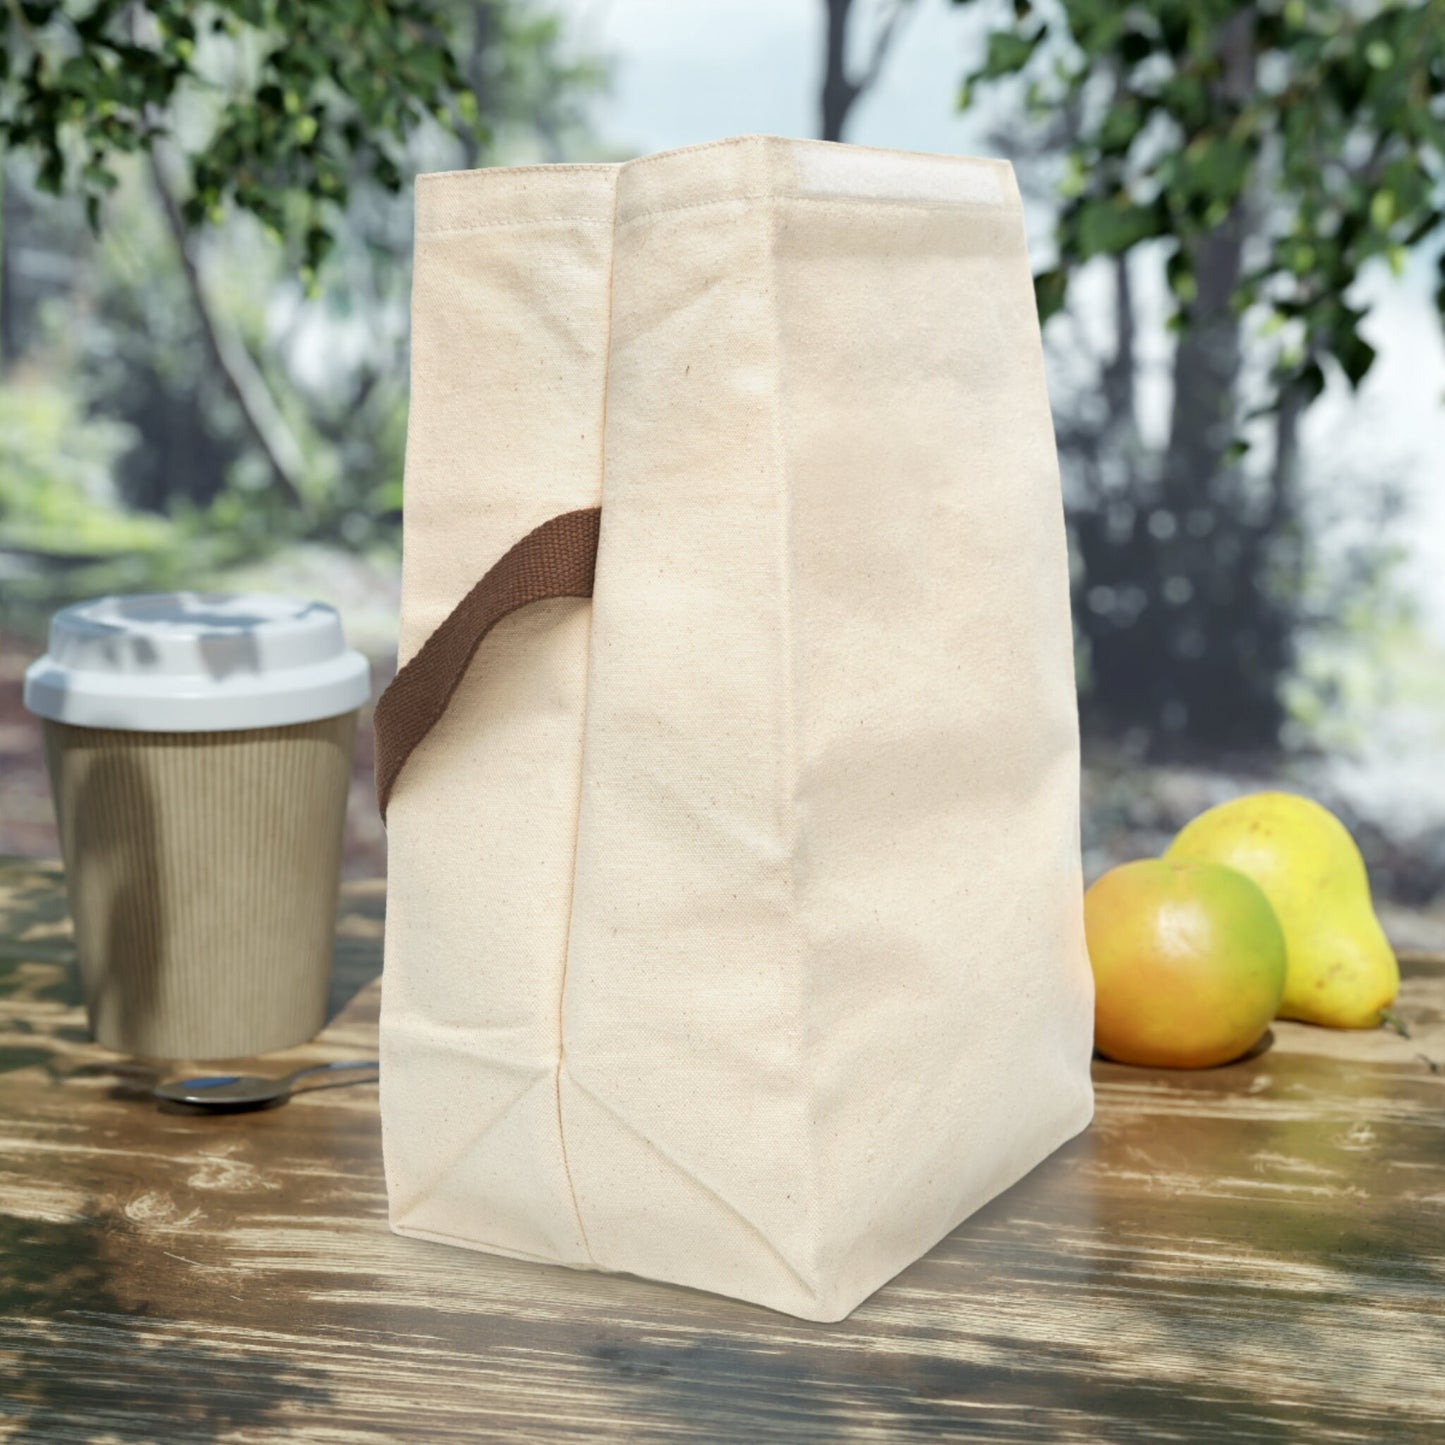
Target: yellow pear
{"type": "Point", "coordinates": [1340, 970]}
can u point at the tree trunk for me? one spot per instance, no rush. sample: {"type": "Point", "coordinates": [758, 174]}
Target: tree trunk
{"type": "Point", "coordinates": [1206, 369]}
{"type": "Point", "coordinates": [1285, 468]}
{"type": "Point", "coordinates": [1121, 370]}
{"type": "Point", "coordinates": [484, 39]}
{"type": "Point", "coordinates": [235, 365]}
{"type": "Point", "coordinates": [1196, 657]}
{"type": "Point", "coordinates": [1284, 500]}
{"type": "Point", "coordinates": [839, 91]}
{"type": "Point", "coordinates": [10, 340]}
{"type": "Point", "coordinates": [1206, 362]}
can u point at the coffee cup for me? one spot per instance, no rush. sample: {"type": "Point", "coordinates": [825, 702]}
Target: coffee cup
{"type": "Point", "coordinates": [199, 748]}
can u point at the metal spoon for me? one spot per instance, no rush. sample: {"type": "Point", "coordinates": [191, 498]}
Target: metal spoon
{"type": "Point", "coordinates": [233, 1092]}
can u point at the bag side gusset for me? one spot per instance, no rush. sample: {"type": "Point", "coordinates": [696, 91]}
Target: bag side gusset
{"type": "Point", "coordinates": [788, 1068]}
{"type": "Point", "coordinates": [509, 343]}
{"type": "Point", "coordinates": [684, 1106]}
{"type": "Point", "coordinates": [939, 884]}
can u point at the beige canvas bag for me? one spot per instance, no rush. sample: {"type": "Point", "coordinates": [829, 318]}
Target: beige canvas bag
{"type": "Point", "coordinates": [734, 928]}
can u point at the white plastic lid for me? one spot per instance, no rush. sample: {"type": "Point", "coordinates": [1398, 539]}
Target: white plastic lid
{"type": "Point", "coordinates": [196, 662]}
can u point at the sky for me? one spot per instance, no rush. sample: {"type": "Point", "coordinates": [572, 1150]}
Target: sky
{"type": "Point", "coordinates": [694, 70]}
{"type": "Point", "coordinates": [688, 71]}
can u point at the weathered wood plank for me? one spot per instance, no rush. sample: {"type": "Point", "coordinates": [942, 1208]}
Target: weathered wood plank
{"type": "Point", "coordinates": [1253, 1253]}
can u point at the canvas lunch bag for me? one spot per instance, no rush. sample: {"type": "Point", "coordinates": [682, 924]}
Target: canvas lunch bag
{"type": "Point", "coordinates": [734, 926]}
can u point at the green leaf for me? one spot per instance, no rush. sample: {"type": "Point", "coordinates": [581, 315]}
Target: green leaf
{"type": "Point", "coordinates": [1379, 55]}
{"type": "Point", "coordinates": [1179, 272]}
{"type": "Point", "coordinates": [1135, 46]}
{"type": "Point", "coordinates": [1075, 177]}
{"type": "Point", "coordinates": [1008, 52]}
{"type": "Point", "coordinates": [1355, 356]}
{"type": "Point", "coordinates": [1105, 228]}
{"type": "Point", "coordinates": [1120, 126]}
{"type": "Point", "coordinates": [1310, 381]}
{"type": "Point", "coordinates": [1217, 169]}
{"type": "Point", "coordinates": [1049, 289]}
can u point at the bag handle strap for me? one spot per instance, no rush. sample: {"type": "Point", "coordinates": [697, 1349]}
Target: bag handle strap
{"type": "Point", "coordinates": [557, 559]}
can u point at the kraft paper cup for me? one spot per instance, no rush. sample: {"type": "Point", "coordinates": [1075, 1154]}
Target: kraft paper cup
{"type": "Point", "coordinates": [200, 749]}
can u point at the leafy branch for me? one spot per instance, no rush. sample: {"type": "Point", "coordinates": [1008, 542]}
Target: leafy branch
{"type": "Point", "coordinates": [1339, 125]}
{"type": "Point", "coordinates": [279, 106]}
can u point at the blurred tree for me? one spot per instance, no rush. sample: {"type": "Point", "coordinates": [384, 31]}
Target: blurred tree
{"type": "Point", "coordinates": [62, 528]}
{"type": "Point", "coordinates": [843, 84]}
{"type": "Point", "coordinates": [302, 119]}
{"type": "Point", "coordinates": [274, 106]}
{"type": "Point", "coordinates": [1274, 151]}
{"type": "Point", "coordinates": [296, 98]}
{"type": "Point", "coordinates": [526, 77]}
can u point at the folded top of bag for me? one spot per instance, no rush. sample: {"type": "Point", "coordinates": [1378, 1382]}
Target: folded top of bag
{"type": "Point", "coordinates": [741, 168]}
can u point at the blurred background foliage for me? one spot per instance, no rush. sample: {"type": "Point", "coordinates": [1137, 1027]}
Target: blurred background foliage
{"type": "Point", "coordinates": [205, 235]}
{"type": "Point", "coordinates": [204, 266]}
{"type": "Point", "coordinates": [1269, 155]}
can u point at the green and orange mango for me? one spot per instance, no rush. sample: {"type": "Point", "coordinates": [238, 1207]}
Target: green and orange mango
{"type": "Point", "coordinates": [1188, 960]}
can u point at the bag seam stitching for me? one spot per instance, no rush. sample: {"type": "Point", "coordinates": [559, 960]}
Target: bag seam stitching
{"type": "Point", "coordinates": [582, 774]}
{"type": "Point", "coordinates": [512, 223]}
{"type": "Point", "coordinates": [469, 1241]}
{"type": "Point", "coordinates": [457, 178]}
{"type": "Point", "coordinates": [786, 528]}
{"type": "Point", "coordinates": [757, 138]}
{"type": "Point", "coordinates": [851, 202]}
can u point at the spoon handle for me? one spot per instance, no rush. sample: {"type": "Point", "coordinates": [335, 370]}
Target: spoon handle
{"type": "Point", "coordinates": [329, 1069]}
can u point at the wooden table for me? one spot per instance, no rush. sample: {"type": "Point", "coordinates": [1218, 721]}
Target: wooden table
{"type": "Point", "coordinates": [1253, 1253]}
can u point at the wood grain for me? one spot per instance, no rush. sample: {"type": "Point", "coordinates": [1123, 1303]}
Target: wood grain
{"type": "Point", "coordinates": [1252, 1253]}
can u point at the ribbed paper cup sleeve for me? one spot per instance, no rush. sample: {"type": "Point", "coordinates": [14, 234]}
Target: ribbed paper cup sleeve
{"type": "Point", "coordinates": [203, 871]}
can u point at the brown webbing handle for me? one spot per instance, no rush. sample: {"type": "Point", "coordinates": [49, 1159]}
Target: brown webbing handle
{"type": "Point", "coordinates": [558, 559]}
